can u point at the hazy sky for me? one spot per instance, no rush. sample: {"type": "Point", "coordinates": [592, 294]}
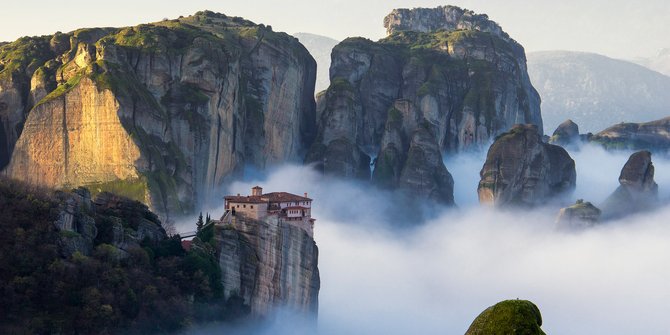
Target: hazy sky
{"type": "Point", "coordinates": [616, 28]}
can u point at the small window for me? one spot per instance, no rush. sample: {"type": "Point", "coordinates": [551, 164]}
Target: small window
{"type": "Point", "coordinates": [252, 206]}
{"type": "Point", "coordinates": [244, 206]}
{"type": "Point", "coordinates": [238, 206]}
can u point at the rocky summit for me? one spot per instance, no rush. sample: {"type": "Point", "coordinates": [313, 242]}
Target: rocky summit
{"type": "Point", "coordinates": [580, 215]}
{"type": "Point", "coordinates": [637, 191]}
{"type": "Point", "coordinates": [567, 133]}
{"type": "Point", "coordinates": [653, 136]}
{"type": "Point", "coordinates": [444, 80]}
{"type": "Point", "coordinates": [163, 113]}
{"type": "Point", "coordinates": [521, 170]}
{"type": "Point", "coordinates": [508, 317]}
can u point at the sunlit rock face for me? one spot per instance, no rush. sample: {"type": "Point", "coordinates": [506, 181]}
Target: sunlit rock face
{"type": "Point", "coordinates": [163, 113]}
{"type": "Point", "coordinates": [455, 81]}
{"type": "Point", "coordinates": [521, 170]}
{"type": "Point", "coordinates": [637, 191]}
{"type": "Point", "coordinates": [508, 317]}
{"type": "Point", "coordinates": [270, 265]}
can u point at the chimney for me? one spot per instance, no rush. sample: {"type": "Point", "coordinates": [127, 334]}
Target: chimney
{"type": "Point", "coordinates": [305, 194]}
{"type": "Point", "coordinates": [238, 194]}
{"type": "Point", "coordinates": [256, 191]}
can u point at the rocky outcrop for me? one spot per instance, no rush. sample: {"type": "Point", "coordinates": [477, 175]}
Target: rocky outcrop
{"type": "Point", "coordinates": [120, 222]}
{"type": "Point", "coordinates": [521, 170]}
{"type": "Point", "coordinates": [653, 136]}
{"type": "Point", "coordinates": [163, 113]}
{"type": "Point", "coordinates": [580, 215]}
{"type": "Point", "coordinates": [410, 159]}
{"type": "Point", "coordinates": [450, 18]}
{"type": "Point", "coordinates": [508, 317]}
{"type": "Point", "coordinates": [637, 191]}
{"type": "Point", "coordinates": [269, 265]}
{"type": "Point", "coordinates": [567, 133]}
{"type": "Point", "coordinates": [459, 87]}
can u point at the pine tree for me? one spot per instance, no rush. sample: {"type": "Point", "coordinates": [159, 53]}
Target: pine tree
{"type": "Point", "coordinates": [208, 219]}
{"type": "Point", "coordinates": [200, 223]}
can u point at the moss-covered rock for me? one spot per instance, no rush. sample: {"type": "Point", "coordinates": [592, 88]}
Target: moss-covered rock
{"type": "Point", "coordinates": [510, 317]}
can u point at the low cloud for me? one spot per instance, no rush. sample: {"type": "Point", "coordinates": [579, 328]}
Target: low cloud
{"type": "Point", "coordinates": [436, 277]}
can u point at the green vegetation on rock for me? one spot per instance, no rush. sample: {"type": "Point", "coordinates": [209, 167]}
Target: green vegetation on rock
{"type": "Point", "coordinates": [26, 53]}
{"type": "Point", "coordinates": [152, 287]}
{"type": "Point", "coordinates": [510, 317]}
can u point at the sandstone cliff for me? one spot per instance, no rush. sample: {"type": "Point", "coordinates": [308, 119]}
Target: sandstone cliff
{"type": "Point", "coordinates": [521, 170]}
{"type": "Point", "coordinates": [269, 264]}
{"type": "Point", "coordinates": [653, 136]}
{"type": "Point", "coordinates": [458, 88]}
{"type": "Point", "coordinates": [163, 112]}
{"type": "Point", "coordinates": [508, 317]}
{"type": "Point", "coordinates": [638, 190]}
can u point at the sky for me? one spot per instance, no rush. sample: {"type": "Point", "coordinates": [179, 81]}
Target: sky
{"type": "Point", "coordinates": [616, 28]}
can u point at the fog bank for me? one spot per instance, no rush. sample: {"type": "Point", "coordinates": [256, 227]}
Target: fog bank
{"type": "Point", "coordinates": [437, 277]}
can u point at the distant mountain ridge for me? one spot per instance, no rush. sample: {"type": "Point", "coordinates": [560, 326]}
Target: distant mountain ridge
{"type": "Point", "coordinates": [596, 91]}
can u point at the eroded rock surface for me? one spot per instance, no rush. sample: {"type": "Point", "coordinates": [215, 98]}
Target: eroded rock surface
{"type": "Point", "coordinates": [637, 191]}
{"type": "Point", "coordinates": [455, 77]}
{"type": "Point", "coordinates": [521, 170]}
{"type": "Point", "coordinates": [567, 133]}
{"type": "Point", "coordinates": [653, 136]}
{"type": "Point", "coordinates": [163, 113]}
{"type": "Point", "coordinates": [270, 265]}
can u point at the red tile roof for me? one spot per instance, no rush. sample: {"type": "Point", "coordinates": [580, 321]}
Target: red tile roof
{"type": "Point", "coordinates": [249, 199]}
{"type": "Point", "coordinates": [284, 197]}
{"type": "Point", "coordinates": [268, 197]}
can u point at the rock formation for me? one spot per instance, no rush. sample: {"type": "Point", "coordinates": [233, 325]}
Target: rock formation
{"type": "Point", "coordinates": [428, 85]}
{"type": "Point", "coordinates": [269, 264]}
{"type": "Point", "coordinates": [427, 20]}
{"type": "Point", "coordinates": [119, 222]}
{"type": "Point", "coordinates": [508, 317]}
{"type": "Point", "coordinates": [653, 136]}
{"type": "Point", "coordinates": [160, 112]}
{"type": "Point", "coordinates": [580, 215]}
{"type": "Point", "coordinates": [521, 170]}
{"type": "Point", "coordinates": [567, 133]}
{"type": "Point", "coordinates": [638, 190]}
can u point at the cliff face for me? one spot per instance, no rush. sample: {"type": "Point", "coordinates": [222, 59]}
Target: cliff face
{"type": "Point", "coordinates": [637, 191]}
{"type": "Point", "coordinates": [521, 170]}
{"type": "Point", "coordinates": [161, 112]}
{"type": "Point", "coordinates": [269, 264]}
{"type": "Point", "coordinates": [460, 87]}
